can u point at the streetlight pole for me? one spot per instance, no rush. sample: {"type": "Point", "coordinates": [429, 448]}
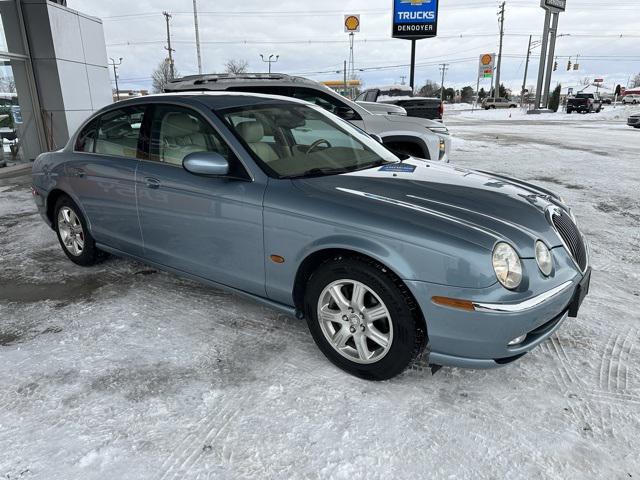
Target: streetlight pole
{"type": "Point", "coordinates": [115, 74]}
{"type": "Point", "coordinates": [270, 60]}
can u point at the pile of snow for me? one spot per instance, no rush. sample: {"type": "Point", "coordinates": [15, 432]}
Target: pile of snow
{"type": "Point", "coordinates": [608, 113]}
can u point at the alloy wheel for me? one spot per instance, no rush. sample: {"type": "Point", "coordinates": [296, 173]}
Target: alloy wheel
{"type": "Point", "coordinates": [71, 232]}
{"type": "Point", "coordinates": [355, 321]}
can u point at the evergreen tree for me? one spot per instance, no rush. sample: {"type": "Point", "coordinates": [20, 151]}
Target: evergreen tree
{"type": "Point", "coordinates": [554, 101]}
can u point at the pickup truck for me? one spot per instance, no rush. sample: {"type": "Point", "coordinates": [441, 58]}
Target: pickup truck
{"type": "Point", "coordinates": [402, 96]}
{"type": "Point", "coordinates": [584, 103]}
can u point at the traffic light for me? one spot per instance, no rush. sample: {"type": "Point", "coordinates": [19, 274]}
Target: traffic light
{"type": "Point", "coordinates": [555, 66]}
{"type": "Point", "coordinates": [569, 65]}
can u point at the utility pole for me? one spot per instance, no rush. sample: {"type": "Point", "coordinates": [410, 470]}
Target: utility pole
{"type": "Point", "coordinates": [443, 68]}
{"type": "Point", "coordinates": [496, 93]}
{"type": "Point", "coordinates": [270, 60]}
{"type": "Point", "coordinates": [167, 17]}
{"type": "Point", "coordinates": [115, 74]}
{"type": "Point", "coordinates": [195, 22]}
{"type": "Point", "coordinates": [526, 71]}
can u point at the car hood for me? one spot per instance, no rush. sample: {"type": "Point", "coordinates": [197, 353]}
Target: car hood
{"type": "Point", "coordinates": [425, 122]}
{"type": "Point", "coordinates": [482, 208]}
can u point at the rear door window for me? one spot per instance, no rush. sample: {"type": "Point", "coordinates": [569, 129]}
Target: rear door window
{"type": "Point", "coordinates": [118, 133]}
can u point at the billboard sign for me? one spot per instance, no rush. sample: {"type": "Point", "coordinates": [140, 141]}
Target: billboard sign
{"type": "Point", "coordinates": [351, 23]}
{"type": "Point", "coordinates": [415, 19]}
{"type": "Point", "coordinates": [554, 5]}
{"type": "Point", "coordinates": [487, 63]}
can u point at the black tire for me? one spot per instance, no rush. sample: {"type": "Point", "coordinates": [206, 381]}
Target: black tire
{"type": "Point", "coordinates": [569, 111]}
{"type": "Point", "coordinates": [408, 335]}
{"type": "Point", "coordinates": [90, 254]}
{"type": "Point", "coordinates": [492, 107]}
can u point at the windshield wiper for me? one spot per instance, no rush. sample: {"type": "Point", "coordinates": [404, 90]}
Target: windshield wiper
{"type": "Point", "coordinates": [318, 172]}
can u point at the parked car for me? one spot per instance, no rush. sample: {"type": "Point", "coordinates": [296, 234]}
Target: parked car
{"type": "Point", "coordinates": [383, 108]}
{"type": "Point", "coordinates": [493, 103]}
{"type": "Point", "coordinates": [280, 201]}
{"type": "Point", "coordinates": [634, 120]}
{"type": "Point", "coordinates": [631, 99]}
{"type": "Point", "coordinates": [584, 103]}
{"type": "Point", "coordinates": [402, 95]}
{"type": "Point", "coordinates": [417, 137]}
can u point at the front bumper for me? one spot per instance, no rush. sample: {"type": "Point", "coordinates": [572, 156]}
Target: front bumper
{"type": "Point", "coordinates": [480, 338]}
{"type": "Point", "coordinates": [633, 122]}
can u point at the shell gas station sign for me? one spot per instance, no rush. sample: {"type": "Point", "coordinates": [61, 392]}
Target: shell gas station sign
{"type": "Point", "coordinates": [352, 23]}
{"type": "Point", "coordinates": [487, 63]}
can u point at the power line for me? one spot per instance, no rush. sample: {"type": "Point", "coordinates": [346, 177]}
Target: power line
{"type": "Point", "coordinates": [135, 43]}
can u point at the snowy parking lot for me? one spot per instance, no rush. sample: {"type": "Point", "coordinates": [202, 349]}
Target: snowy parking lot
{"type": "Point", "coordinates": [124, 372]}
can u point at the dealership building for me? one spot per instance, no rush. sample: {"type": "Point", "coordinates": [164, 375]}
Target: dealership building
{"type": "Point", "coordinates": [53, 74]}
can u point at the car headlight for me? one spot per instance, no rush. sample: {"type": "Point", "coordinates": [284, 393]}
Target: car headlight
{"type": "Point", "coordinates": [439, 130]}
{"type": "Point", "coordinates": [544, 258]}
{"type": "Point", "coordinates": [507, 266]}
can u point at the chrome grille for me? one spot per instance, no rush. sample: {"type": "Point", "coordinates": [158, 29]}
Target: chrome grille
{"type": "Point", "coordinates": [571, 237]}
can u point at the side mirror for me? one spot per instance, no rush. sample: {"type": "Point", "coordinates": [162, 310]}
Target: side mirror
{"type": "Point", "coordinates": [206, 163]}
{"type": "Point", "coordinates": [346, 113]}
{"type": "Point", "coordinates": [377, 138]}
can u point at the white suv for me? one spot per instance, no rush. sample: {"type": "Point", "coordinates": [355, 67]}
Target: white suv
{"type": "Point", "coordinates": [491, 103]}
{"type": "Point", "coordinates": [417, 137]}
{"type": "Point", "coordinates": [631, 99]}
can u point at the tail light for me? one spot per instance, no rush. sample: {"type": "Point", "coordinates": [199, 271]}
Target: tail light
{"type": "Point", "coordinates": [441, 110]}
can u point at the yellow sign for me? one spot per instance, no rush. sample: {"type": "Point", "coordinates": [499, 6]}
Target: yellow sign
{"type": "Point", "coordinates": [351, 23]}
{"type": "Point", "coordinates": [486, 59]}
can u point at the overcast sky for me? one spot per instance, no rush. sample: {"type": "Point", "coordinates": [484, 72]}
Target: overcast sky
{"type": "Point", "coordinates": [309, 37]}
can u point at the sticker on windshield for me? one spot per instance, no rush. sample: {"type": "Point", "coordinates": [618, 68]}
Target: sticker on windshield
{"type": "Point", "coordinates": [398, 167]}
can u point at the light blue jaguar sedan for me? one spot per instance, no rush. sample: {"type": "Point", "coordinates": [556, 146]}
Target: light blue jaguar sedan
{"type": "Point", "coordinates": [387, 257]}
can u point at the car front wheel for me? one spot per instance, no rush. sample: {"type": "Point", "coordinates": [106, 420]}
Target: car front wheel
{"type": "Point", "coordinates": [73, 234]}
{"type": "Point", "coordinates": [363, 318]}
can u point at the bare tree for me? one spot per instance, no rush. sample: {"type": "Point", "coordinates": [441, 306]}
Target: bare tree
{"type": "Point", "coordinates": [635, 81]}
{"type": "Point", "coordinates": [236, 66]}
{"type": "Point", "coordinates": [429, 89]}
{"type": "Point", "coordinates": [7, 85]}
{"type": "Point", "coordinates": [162, 75]}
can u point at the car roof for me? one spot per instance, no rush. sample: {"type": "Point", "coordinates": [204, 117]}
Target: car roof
{"type": "Point", "coordinates": [213, 100]}
{"type": "Point", "coordinates": [222, 81]}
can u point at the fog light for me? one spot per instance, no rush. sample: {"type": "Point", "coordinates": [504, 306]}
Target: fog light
{"type": "Point", "coordinates": [518, 340]}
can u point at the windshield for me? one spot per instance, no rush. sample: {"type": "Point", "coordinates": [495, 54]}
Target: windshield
{"type": "Point", "coordinates": [294, 141]}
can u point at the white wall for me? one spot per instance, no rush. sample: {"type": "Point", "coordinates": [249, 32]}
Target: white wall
{"type": "Point", "coordinates": [70, 65]}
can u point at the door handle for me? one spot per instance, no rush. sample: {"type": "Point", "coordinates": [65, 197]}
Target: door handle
{"type": "Point", "coordinates": [152, 183]}
{"type": "Point", "coordinates": [78, 172]}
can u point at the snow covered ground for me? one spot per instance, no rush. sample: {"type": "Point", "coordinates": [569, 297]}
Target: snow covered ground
{"type": "Point", "coordinates": [123, 372]}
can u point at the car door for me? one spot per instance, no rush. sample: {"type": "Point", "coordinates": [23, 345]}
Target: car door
{"type": "Point", "coordinates": [205, 226]}
{"type": "Point", "coordinates": [102, 174]}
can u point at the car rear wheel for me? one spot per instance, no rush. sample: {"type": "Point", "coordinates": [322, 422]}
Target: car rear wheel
{"type": "Point", "coordinates": [363, 318]}
{"type": "Point", "coordinates": [73, 234]}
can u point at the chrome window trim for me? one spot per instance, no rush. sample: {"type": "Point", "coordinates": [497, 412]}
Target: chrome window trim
{"type": "Point", "coordinates": [522, 306]}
